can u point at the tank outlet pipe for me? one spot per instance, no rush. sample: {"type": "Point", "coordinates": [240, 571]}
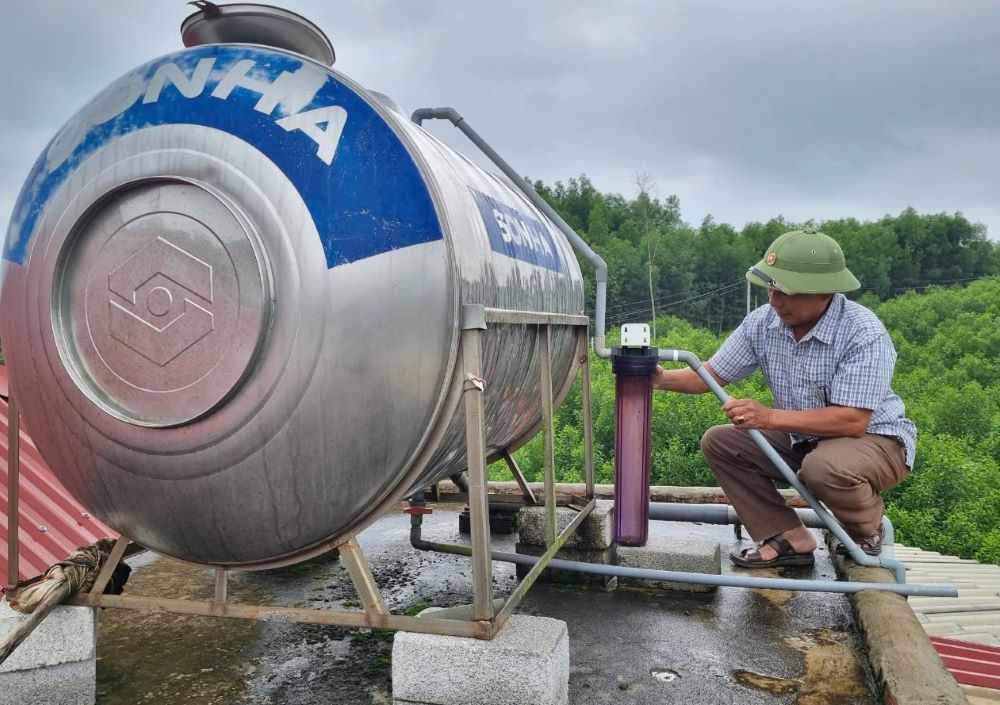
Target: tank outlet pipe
{"type": "Point", "coordinates": [679, 577]}
{"type": "Point", "coordinates": [600, 266]}
{"type": "Point", "coordinates": [829, 522]}
{"type": "Point", "coordinates": [633, 365]}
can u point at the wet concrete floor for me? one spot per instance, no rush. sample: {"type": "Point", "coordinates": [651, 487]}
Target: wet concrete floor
{"type": "Point", "coordinates": [628, 646]}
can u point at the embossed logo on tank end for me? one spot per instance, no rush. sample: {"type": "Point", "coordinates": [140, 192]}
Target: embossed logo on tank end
{"type": "Point", "coordinates": [153, 311]}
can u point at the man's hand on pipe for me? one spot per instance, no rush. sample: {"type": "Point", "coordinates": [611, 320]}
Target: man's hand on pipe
{"type": "Point", "coordinates": [748, 413]}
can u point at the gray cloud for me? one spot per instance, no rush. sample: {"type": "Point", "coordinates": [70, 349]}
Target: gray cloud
{"type": "Point", "coordinates": [744, 110]}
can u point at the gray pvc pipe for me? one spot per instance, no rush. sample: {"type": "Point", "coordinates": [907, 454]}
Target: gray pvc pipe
{"type": "Point", "coordinates": [725, 514]}
{"type": "Point", "coordinates": [679, 577]}
{"type": "Point", "coordinates": [732, 580]}
{"type": "Point", "coordinates": [828, 520]}
{"type": "Point", "coordinates": [601, 267]}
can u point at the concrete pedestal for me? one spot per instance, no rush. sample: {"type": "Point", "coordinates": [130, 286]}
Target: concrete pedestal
{"type": "Point", "coordinates": [56, 664]}
{"type": "Point", "coordinates": [527, 662]}
{"type": "Point", "coordinates": [595, 533]}
{"type": "Point", "coordinates": [593, 542]}
{"type": "Point", "coordinates": [685, 555]}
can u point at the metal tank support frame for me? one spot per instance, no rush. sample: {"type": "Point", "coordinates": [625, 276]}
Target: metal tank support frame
{"type": "Point", "coordinates": [487, 616]}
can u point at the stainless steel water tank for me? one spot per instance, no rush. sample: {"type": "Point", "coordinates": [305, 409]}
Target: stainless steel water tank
{"type": "Point", "coordinates": [231, 300]}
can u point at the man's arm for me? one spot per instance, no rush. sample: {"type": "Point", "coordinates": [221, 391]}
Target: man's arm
{"type": "Point", "coordinates": [684, 380]}
{"type": "Point", "coordinates": [826, 421]}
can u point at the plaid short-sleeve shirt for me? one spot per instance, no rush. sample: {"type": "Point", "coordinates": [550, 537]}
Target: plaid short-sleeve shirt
{"type": "Point", "coordinates": [846, 359]}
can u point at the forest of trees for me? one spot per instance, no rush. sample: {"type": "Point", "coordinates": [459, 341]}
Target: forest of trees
{"type": "Point", "coordinates": [928, 277]}
{"type": "Point", "coordinates": [697, 272]}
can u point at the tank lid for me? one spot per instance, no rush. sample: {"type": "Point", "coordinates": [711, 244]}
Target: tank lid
{"type": "Point", "coordinates": [255, 24]}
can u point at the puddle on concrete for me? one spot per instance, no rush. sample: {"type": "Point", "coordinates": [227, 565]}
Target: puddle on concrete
{"type": "Point", "coordinates": [770, 684]}
{"type": "Point", "coordinates": [664, 675]}
{"type": "Point", "coordinates": [833, 671]}
{"type": "Point", "coordinates": [778, 598]}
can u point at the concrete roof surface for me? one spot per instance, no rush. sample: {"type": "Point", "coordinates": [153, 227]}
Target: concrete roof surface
{"type": "Point", "coordinates": [629, 646]}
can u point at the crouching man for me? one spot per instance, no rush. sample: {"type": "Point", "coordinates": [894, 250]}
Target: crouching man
{"type": "Point", "coordinates": [836, 421]}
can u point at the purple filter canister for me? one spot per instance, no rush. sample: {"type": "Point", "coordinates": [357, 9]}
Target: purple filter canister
{"type": "Point", "coordinates": [634, 369]}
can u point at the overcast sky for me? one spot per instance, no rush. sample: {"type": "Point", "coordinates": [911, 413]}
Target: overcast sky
{"type": "Point", "coordinates": [744, 110]}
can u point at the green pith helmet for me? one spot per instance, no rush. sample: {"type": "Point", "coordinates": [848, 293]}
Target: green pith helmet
{"type": "Point", "coordinates": [804, 262]}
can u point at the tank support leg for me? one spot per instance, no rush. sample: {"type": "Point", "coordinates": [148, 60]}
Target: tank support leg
{"type": "Point", "coordinates": [522, 483]}
{"type": "Point", "coordinates": [108, 569]}
{"type": "Point", "coordinates": [545, 389]}
{"type": "Point", "coordinates": [221, 585]}
{"type": "Point", "coordinates": [583, 355]}
{"type": "Point", "coordinates": [475, 439]}
{"type": "Point", "coordinates": [13, 491]}
{"type": "Point", "coordinates": [361, 576]}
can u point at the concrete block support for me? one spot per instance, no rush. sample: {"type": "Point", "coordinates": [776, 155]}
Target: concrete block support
{"type": "Point", "coordinates": [56, 664]}
{"type": "Point", "coordinates": [684, 555]}
{"type": "Point", "coordinates": [527, 662]}
{"type": "Point", "coordinates": [595, 533]}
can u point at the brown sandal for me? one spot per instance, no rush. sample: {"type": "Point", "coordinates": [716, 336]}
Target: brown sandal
{"type": "Point", "coordinates": [870, 545]}
{"type": "Point", "coordinates": [750, 557]}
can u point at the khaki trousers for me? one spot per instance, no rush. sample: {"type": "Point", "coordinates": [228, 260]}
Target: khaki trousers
{"type": "Point", "coordinates": [845, 474]}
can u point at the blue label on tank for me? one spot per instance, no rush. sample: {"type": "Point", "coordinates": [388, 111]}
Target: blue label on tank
{"type": "Point", "coordinates": [361, 186]}
{"type": "Point", "coordinates": [517, 234]}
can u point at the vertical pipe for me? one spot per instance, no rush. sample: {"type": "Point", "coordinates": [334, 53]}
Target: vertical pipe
{"type": "Point", "coordinates": [479, 521]}
{"type": "Point", "coordinates": [13, 491]}
{"type": "Point", "coordinates": [545, 389]}
{"type": "Point", "coordinates": [588, 420]}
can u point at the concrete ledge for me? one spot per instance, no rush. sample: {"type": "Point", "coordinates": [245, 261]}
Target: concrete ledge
{"type": "Point", "coordinates": [607, 556]}
{"type": "Point", "coordinates": [671, 554]}
{"type": "Point", "coordinates": [72, 683]}
{"type": "Point", "coordinates": [595, 533]}
{"type": "Point", "coordinates": [527, 662]}
{"type": "Point", "coordinates": [901, 656]}
{"type": "Point", "coordinates": [66, 635]}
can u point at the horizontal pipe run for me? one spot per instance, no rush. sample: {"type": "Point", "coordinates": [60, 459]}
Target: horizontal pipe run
{"type": "Point", "coordinates": [716, 514]}
{"type": "Point", "coordinates": [698, 578]}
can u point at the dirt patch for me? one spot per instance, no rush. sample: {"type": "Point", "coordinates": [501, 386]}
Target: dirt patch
{"type": "Point", "coordinates": [147, 657]}
{"type": "Point", "coordinates": [833, 672]}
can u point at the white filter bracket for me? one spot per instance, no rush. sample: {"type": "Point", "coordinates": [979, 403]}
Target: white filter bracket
{"type": "Point", "coordinates": [635, 335]}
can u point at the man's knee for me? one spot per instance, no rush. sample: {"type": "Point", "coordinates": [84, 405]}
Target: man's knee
{"type": "Point", "coordinates": [821, 474]}
{"type": "Point", "coordinates": [719, 441]}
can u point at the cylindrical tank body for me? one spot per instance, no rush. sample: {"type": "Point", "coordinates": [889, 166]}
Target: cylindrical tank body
{"type": "Point", "coordinates": [231, 305]}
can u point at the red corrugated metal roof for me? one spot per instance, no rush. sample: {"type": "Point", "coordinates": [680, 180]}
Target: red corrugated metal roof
{"type": "Point", "coordinates": [52, 524]}
{"type": "Point", "coordinates": [971, 664]}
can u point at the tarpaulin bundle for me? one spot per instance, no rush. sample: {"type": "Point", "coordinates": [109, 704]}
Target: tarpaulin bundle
{"type": "Point", "coordinates": [77, 573]}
